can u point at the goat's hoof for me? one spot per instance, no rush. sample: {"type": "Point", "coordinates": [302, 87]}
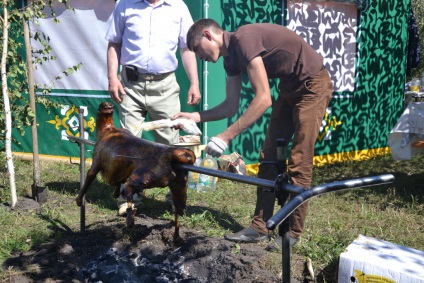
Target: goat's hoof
{"type": "Point", "coordinates": [131, 216]}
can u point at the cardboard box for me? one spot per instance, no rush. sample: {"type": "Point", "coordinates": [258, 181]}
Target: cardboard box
{"type": "Point", "coordinates": [369, 260]}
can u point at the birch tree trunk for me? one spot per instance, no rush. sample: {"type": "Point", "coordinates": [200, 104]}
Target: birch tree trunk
{"type": "Point", "coordinates": [8, 138]}
{"type": "Point", "coordinates": [36, 160]}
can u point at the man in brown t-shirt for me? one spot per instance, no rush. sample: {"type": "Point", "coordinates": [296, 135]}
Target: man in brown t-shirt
{"type": "Point", "coordinates": [266, 51]}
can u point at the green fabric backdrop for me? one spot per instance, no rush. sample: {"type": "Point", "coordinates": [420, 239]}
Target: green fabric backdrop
{"type": "Point", "coordinates": [359, 125]}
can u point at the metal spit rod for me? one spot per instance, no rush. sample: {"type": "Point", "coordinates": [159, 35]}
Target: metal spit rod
{"type": "Point", "coordinates": [239, 178]}
{"type": "Point", "coordinates": [294, 203]}
{"type": "Point", "coordinates": [81, 140]}
{"type": "Point", "coordinates": [303, 194]}
{"type": "Point", "coordinates": [220, 174]}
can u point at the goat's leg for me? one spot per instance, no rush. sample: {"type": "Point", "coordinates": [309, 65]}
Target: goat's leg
{"type": "Point", "coordinates": [178, 188]}
{"type": "Point", "coordinates": [176, 228]}
{"type": "Point", "coordinates": [127, 193]}
{"type": "Point", "coordinates": [117, 191]}
{"type": "Point", "coordinates": [91, 175]}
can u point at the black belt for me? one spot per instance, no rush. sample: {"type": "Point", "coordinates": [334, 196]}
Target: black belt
{"type": "Point", "coordinates": [153, 77]}
{"type": "Point", "coordinates": [133, 74]}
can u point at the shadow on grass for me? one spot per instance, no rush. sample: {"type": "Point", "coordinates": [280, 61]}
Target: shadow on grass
{"type": "Point", "coordinates": [224, 220]}
{"type": "Point", "coordinates": [329, 273]}
{"type": "Point", "coordinates": [406, 189]}
{"type": "Point", "coordinates": [100, 194]}
{"type": "Point", "coordinates": [408, 185]}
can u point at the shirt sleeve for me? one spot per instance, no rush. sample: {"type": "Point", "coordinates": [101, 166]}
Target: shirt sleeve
{"type": "Point", "coordinates": [249, 46]}
{"type": "Point", "coordinates": [245, 47]}
{"type": "Point", "coordinates": [186, 23]}
{"type": "Point", "coordinates": [116, 27]}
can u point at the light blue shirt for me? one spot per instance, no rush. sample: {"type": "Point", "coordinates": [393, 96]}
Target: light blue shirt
{"type": "Point", "coordinates": [150, 35]}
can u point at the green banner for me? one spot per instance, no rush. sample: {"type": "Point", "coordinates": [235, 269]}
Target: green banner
{"type": "Point", "coordinates": [365, 53]}
{"type": "Point", "coordinates": [55, 125]}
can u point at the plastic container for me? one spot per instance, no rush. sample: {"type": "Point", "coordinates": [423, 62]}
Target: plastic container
{"type": "Point", "coordinates": [415, 85]}
{"type": "Point", "coordinates": [193, 177]}
{"type": "Point", "coordinates": [205, 182]}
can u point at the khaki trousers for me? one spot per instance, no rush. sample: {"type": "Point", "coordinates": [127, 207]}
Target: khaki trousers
{"type": "Point", "coordinates": [296, 114]}
{"type": "Point", "coordinates": [158, 99]}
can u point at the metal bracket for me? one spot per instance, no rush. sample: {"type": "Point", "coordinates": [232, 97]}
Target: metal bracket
{"type": "Point", "coordinates": [281, 194]}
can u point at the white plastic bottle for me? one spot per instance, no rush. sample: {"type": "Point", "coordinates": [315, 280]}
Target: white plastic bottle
{"type": "Point", "coordinates": [193, 177]}
{"type": "Point", "coordinates": [205, 182]}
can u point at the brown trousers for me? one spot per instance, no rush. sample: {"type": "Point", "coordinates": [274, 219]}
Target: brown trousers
{"type": "Point", "coordinates": [296, 114]}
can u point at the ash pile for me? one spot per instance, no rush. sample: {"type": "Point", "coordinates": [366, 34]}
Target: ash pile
{"type": "Point", "coordinates": [116, 266]}
{"type": "Point", "coordinates": [201, 259]}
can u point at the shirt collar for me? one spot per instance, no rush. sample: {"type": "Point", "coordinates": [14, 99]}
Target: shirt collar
{"type": "Point", "coordinates": [226, 38]}
{"type": "Point", "coordinates": [168, 2]}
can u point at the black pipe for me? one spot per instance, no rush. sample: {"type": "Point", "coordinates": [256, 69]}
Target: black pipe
{"type": "Point", "coordinates": [294, 203]}
{"type": "Point", "coordinates": [282, 198]}
{"type": "Point", "coordinates": [81, 140]}
{"type": "Point", "coordinates": [239, 178]}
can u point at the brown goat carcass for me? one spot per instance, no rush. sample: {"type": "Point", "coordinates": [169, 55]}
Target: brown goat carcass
{"type": "Point", "coordinates": [136, 163]}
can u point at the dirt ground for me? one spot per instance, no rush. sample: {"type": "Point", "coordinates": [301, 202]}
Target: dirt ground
{"type": "Point", "coordinates": [144, 253]}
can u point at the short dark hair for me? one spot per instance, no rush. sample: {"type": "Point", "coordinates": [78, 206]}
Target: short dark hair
{"type": "Point", "coordinates": [195, 32]}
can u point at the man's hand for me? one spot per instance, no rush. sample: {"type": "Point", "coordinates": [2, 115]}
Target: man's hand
{"type": "Point", "coordinates": [195, 117]}
{"type": "Point", "coordinates": [193, 97]}
{"type": "Point", "coordinates": [186, 125]}
{"type": "Point", "coordinates": [216, 147]}
{"type": "Point", "coordinates": [116, 90]}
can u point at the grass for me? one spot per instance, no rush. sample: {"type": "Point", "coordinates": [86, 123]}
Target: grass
{"type": "Point", "coordinates": [393, 212]}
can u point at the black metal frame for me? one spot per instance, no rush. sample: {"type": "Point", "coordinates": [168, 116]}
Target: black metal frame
{"type": "Point", "coordinates": [281, 187]}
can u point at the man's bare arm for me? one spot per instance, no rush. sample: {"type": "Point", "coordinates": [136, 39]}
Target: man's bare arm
{"type": "Point", "coordinates": [190, 66]}
{"type": "Point", "coordinates": [260, 103]}
{"type": "Point", "coordinates": [115, 85]}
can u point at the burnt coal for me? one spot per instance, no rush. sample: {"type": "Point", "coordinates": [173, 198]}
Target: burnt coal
{"type": "Point", "coordinates": [110, 252]}
{"type": "Point", "coordinates": [133, 268]}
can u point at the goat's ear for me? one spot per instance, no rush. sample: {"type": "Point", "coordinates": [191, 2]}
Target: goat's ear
{"type": "Point", "coordinates": [183, 155]}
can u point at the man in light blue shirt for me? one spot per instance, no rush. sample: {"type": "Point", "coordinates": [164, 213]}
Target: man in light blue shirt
{"type": "Point", "coordinates": [144, 36]}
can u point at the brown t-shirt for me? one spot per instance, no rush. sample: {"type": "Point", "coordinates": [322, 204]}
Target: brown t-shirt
{"type": "Point", "coordinates": [285, 54]}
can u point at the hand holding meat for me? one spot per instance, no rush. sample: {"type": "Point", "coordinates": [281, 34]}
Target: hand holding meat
{"type": "Point", "coordinates": [186, 125]}
{"type": "Point", "coordinates": [137, 164]}
{"type": "Point", "coordinates": [192, 116]}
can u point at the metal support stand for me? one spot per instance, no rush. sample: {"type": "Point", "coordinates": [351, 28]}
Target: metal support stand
{"type": "Point", "coordinates": [282, 198]}
{"type": "Point", "coordinates": [82, 167]}
{"type": "Point", "coordinates": [81, 142]}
